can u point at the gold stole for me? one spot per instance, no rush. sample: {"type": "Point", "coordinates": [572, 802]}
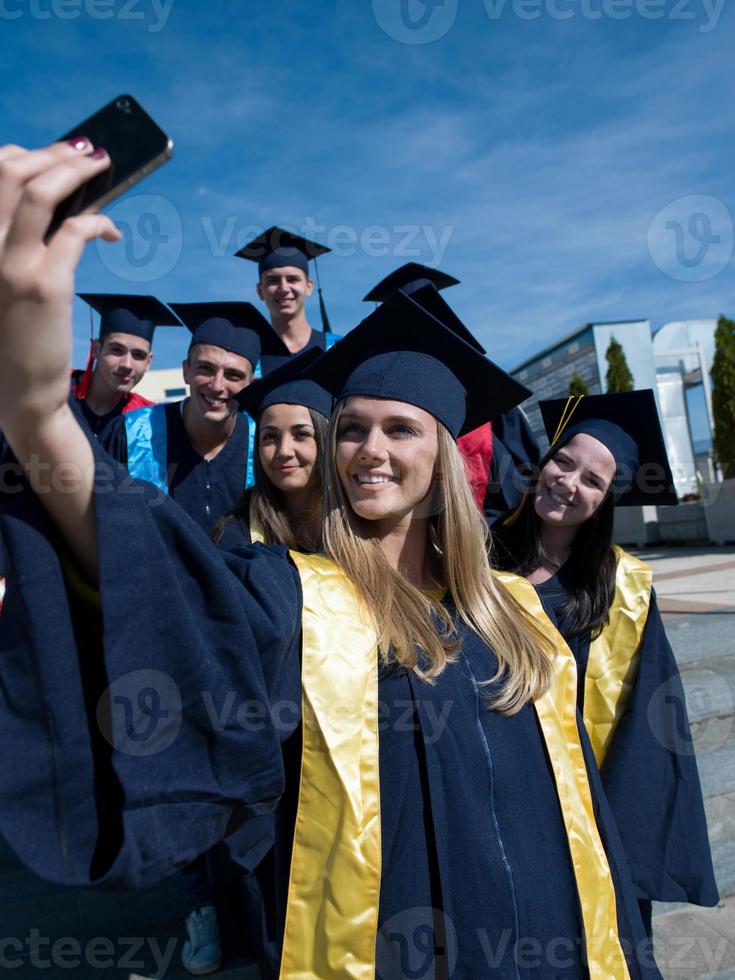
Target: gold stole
{"type": "Point", "coordinates": [256, 528]}
{"type": "Point", "coordinates": [615, 654]}
{"type": "Point", "coordinates": [334, 887]}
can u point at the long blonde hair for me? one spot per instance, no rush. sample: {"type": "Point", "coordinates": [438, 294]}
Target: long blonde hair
{"type": "Point", "coordinates": [406, 617]}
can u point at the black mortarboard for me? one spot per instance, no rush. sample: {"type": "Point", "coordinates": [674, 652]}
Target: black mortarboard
{"type": "Point", "coordinates": [276, 248]}
{"type": "Point", "coordinates": [404, 353]}
{"type": "Point", "coordinates": [409, 278]}
{"type": "Point", "coordinates": [428, 297]}
{"type": "Point", "coordinates": [235, 326]}
{"type": "Point", "coordinates": [135, 315]}
{"type": "Point", "coordinates": [626, 423]}
{"type": "Point", "coordinates": [287, 386]}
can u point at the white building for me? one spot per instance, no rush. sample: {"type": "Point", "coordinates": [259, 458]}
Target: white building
{"type": "Point", "coordinates": [163, 386]}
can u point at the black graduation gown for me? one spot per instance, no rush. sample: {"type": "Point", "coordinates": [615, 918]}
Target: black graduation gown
{"type": "Point", "coordinates": [471, 824]}
{"type": "Point", "coordinates": [96, 424]}
{"type": "Point", "coordinates": [650, 771]}
{"type": "Point", "coordinates": [205, 489]}
{"type": "Point", "coordinates": [269, 362]}
{"type": "Point", "coordinates": [515, 455]}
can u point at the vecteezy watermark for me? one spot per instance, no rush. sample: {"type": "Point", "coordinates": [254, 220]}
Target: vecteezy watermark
{"type": "Point", "coordinates": [708, 704]}
{"type": "Point", "coordinates": [417, 943]}
{"type": "Point", "coordinates": [691, 238]}
{"type": "Point", "coordinates": [100, 953]}
{"type": "Point", "coordinates": [424, 21]}
{"type": "Point", "coordinates": [140, 713]}
{"type": "Point", "coordinates": [152, 238]}
{"type": "Point", "coordinates": [375, 241]}
{"type": "Point", "coordinates": [415, 21]}
{"type": "Point", "coordinates": [153, 13]}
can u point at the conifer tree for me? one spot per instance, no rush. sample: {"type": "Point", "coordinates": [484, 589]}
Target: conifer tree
{"type": "Point", "coordinates": [618, 375]}
{"type": "Point", "coordinates": [723, 396]}
{"type": "Point", "coordinates": [577, 386]}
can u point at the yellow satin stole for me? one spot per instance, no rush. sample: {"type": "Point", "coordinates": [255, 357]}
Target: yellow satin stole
{"type": "Point", "coordinates": [334, 887]}
{"type": "Point", "coordinates": [615, 654]}
{"type": "Point", "coordinates": [256, 528]}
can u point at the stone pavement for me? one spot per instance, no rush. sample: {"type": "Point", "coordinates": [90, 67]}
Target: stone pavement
{"type": "Point", "coordinates": [696, 594]}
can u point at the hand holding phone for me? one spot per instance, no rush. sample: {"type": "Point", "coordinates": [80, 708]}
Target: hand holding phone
{"type": "Point", "coordinates": [136, 146]}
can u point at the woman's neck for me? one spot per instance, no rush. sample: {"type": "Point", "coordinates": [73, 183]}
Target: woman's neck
{"type": "Point", "coordinates": [556, 543]}
{"type": "Point", "coordinates": [404, 544]}
{"type": "Point", "coordinates": [302, 508]}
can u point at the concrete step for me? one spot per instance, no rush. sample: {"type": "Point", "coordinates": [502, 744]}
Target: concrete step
{"type": "Point", "coordinates": [696, 944]}
{"type": "Point", "coordinates": [691, 643]}
{"type": "Point", "coordinates": [716, 764]}
{"type": "Point", "coordinates": [709, 688]}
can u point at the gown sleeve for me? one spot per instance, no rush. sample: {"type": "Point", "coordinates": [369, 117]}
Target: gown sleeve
{"type": "Point", "coordinates": [135, 722]}
{"type": "Point", "coordinates": [515, 455]}
{"type": "Point", "coordinates": [651, 780]}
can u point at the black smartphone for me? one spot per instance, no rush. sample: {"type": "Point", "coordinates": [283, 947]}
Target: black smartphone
{"type": "Point", "coordinates": [136, 144]}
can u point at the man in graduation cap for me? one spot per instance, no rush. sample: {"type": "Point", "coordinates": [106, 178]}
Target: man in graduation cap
{"type": "Point", "coordinates": [119, 358]}
{"type": "Point", "coordinates": [284, 285]}
{"type": "Point", "coordinates": [500, 455]}
{"type": "Point", "coordinates": [199, 450]}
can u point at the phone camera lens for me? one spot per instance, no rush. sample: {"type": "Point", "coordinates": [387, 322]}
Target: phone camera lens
{"type": "Point", "coordinates": [124, 105]}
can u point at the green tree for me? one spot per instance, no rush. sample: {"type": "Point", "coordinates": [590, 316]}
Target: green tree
{"type": "Point", "coordinates": [577, 386]}
{"type": "Point", "coordinates": [618, 375]}
{"type": "Point", "coordinates": [723, 396]}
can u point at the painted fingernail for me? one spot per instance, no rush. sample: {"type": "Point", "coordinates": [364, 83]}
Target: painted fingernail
{"type": "Point", "coordinates": [99, 153]}
{"type": "Point", "coordinates": [79, 143]}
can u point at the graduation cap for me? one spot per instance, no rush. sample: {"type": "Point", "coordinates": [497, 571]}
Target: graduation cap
{"type": "Point", "coordinates": [276, 248]}
{"type": "Point", "coordinates": [234, 326]}
{"type": "Point", "coordinates": [120, 313]}
{"type": "Point", "coordinates": [404, 353]}
{"type": "Point", "coordinates": [287, 386]}
{"type": "Point", "coordinates": [135, 315]}
{"type": "Point", "coordinates": [626, 423]}
{"type": "Point", "coordinates": [409, 277]}
{"type": "Point", "coordinates": [427, 296]}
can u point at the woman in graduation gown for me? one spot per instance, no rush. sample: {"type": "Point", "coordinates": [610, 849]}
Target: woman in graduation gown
{"type": "Point", "coordinates": [442, 822]}
{"type": "Point", "coordinates": [284, 506]}
{"type": "Point", "coordinates": [601, 598]}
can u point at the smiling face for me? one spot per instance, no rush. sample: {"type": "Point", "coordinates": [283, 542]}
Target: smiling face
{"type": "Point", "coordinates": [284, 291]}
{"type": "Point", "coordinates": [287, 447]}
{"type": "Point", "coordinates": [215, 376]}
{"type": "Point", "coordinates": [385, 457]}
{"type": "Point", "coordinates": [575, 482]}
{"type": "Point", "coordinates": [122, 360]}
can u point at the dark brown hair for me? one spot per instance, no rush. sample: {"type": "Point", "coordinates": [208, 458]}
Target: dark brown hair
{"type": "Point", "coordinates": [268, 501]}
{"type": "Point", "coordinates": [589, 572]}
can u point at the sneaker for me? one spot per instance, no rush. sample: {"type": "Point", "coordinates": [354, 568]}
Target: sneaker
{"type": "Point", "coordinates": [202, 952]}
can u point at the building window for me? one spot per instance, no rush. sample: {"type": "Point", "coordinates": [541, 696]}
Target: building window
{"type": "Point", "coordinates": [174, 392]}
{"type": "Point", "coordinates": [546, 363]}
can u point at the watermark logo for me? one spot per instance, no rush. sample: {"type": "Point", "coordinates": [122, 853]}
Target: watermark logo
{"type": "Point", "coordinates": [154, 14]}
{"type": "Point", "coordinates": [152, 238]}
{"type": "Point", "coordinates": [691, 238]}
{"type": "Point", "coordinates": [417, 944]}
{"type": "Point", "coordinates": [708, 703]}
{"type": "Point", "coordinates": [415, 21]}
{"type": "Point", "coordinates": [140, 713]}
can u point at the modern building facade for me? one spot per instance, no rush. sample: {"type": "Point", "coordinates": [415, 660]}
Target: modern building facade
{"type": "Point", "coordinates": [675, 363]}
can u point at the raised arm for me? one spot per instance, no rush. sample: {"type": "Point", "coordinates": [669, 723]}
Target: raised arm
{"type": "Point", "coordinates": [36, 290]}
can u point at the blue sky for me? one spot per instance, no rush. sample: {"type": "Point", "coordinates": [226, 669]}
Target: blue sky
{"type": "Point", "coordinates": [568, 160]}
